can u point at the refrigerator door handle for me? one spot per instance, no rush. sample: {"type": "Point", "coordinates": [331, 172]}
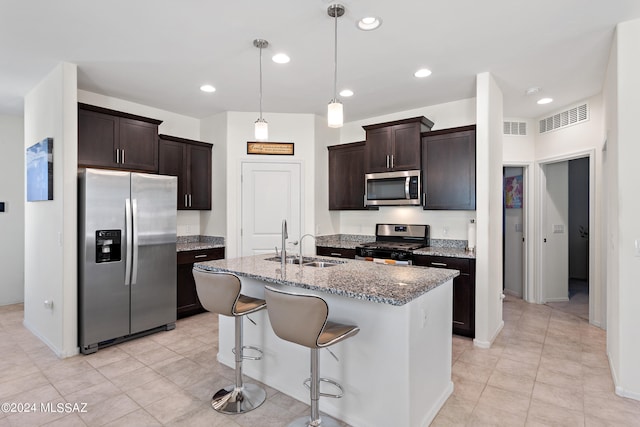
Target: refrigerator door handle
{"type": "Point", "coordinates": [134, 270]}
{"type": "Point", "coordinates": [128, 234]}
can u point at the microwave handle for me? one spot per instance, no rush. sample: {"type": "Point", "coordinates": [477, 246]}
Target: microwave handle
{"type": "Point", "coordinates": [407, 188]}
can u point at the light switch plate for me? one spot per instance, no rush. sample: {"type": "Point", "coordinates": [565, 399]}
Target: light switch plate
{"type": "Point", "coordinates": [558, 228]}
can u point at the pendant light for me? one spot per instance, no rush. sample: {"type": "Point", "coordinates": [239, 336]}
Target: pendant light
{"type": "Point", "coordinates": [334, 110]}
{"type": "Point", "coordinates": [261, 128]}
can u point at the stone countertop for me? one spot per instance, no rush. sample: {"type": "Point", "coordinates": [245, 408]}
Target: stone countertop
{"type": "Point", "coordinates": [196, 243]}
{"type": "Point", "coordinates": [363, 280]}
{"type": "Point", "coordinates": [448, 252]}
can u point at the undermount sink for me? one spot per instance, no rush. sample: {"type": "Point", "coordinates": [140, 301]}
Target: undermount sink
{"type": "Point", "coordinates": [306, 261]}
{"type": "Point", "coordinates": [320, 264]}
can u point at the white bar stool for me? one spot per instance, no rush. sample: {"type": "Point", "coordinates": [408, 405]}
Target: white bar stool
{"type": "Point", "coordinates": [303, 319]}
{"type": "Point", "coordinates": [220, 293]}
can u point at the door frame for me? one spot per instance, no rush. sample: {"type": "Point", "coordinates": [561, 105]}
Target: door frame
{"type": "Point", "coordinates": [238, 230]}
{"type": "Point", "coordinates": [595, 286]}
{"type": "Point", "coordinates": [527, 228]}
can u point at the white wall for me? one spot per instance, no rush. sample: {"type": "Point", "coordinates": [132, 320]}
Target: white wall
{"type": "Point", "coordinates": [556, 249]}
{"type": "Point", "coordinates": [296, 128]}
{"type": "Point", "coordinates": [12, 219]}
{"type": "Point", "coordinates": [188, 222]}
{"type": "Point", "coordinates": [489, 148]}
{"type": "Point", "coordinates": [50, 110]}
{"type": "Point", "coordinates": [623, 152]}
{"type": "Point", "coordinates": [444, 224]}
{"type": "Point", "coordinates": [610, 233]}
{"type": "Point", "coordinates": [214, 130]}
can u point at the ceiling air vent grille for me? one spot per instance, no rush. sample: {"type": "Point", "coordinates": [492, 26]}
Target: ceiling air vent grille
{"type": "Point", "coordinates": [572, 116]}
{"type": "Point", "coordinates": [515, 128]}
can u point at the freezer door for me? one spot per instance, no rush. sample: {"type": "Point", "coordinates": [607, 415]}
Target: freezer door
{"type": "Point", "coordinates": [153, 276]}
{"type": "Point", "coordinates": [103, 296]}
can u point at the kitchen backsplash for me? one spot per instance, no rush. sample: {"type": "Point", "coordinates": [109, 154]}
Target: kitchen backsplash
{"type": "Point", "coordinates": [201, 239]}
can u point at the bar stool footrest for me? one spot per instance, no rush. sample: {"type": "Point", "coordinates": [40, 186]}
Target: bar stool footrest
{"type": "Point", "coordinates": [249, 347]}
{"type": "Point", "coordinates": [307, 384]}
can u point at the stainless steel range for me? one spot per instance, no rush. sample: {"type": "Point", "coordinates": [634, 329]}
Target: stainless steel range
{"type": "Point", "coordinates": [394, 243]}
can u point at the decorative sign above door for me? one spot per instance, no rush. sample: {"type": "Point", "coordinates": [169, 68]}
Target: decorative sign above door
{"type": "Point", "coordinates": [271, 148]}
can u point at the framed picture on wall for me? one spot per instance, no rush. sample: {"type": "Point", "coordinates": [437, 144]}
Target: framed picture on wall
{"type": "Point", "coordinates": [40, 171]}
{"type": "Point", "coordinates": [513, 192]}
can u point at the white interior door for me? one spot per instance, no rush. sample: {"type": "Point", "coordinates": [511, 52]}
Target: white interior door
{"type": "Point", "coordinates": [271, 192]}
{"type": "Point", "coordinates": [555, 269]}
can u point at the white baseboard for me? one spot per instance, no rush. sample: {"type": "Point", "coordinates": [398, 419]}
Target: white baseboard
{"type": "Point", "coordinates": [487, 344]}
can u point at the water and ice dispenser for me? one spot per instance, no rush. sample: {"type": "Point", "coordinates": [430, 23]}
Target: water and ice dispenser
{"type": "Point", "coordinates": [108, 245]}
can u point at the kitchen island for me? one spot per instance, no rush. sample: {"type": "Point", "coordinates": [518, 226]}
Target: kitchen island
{"type": "Point", "coordinates": [396, 371]}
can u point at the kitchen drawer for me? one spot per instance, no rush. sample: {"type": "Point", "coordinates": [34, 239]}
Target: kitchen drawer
{"type": "Point", "coordinates": [189, 257]}
{"type": "Point", "coordinates": [461, 264]}
{"type": "Point", "coordinates": [335, 252]}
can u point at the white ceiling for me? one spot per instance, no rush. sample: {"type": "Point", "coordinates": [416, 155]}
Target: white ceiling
{"type": "Point", "coordinates": [159, 52]}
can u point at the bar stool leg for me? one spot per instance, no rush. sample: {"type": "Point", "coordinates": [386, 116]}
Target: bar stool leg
{"type": "Point", "coordinates": [238, 398]}
{"type": "Point", "coordinates": [315, 420]}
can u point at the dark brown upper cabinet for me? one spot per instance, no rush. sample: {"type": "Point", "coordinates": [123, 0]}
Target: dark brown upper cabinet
{"type": "Point", "coordinates": [346, 176]}
{"type": "Point", "coordinates": [116, 140]}
{"type": "Point", "coordinates": [449, 169]}
{"type": "Point", "coordinates": [190, 161]}
{"type": "Point", "coordinates": [394, 146]}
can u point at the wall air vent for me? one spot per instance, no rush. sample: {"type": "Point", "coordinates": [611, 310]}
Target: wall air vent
{"type": "Point", "coordinates": [570, 117]}
{"type": "Point", "coordinates": [514, 128]}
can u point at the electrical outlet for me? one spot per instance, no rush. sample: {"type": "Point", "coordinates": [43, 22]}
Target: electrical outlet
{"type": "Point", "coordinates": [637, 245]}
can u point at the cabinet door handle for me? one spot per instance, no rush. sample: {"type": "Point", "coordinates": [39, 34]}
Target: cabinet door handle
{"type": "Point", "coordinates": [190, 204]}
{"type": "Point", "coordinates": [336, 254]}
{"type": "Point", "coordinates": [424, 200]}
{"type": "Point", "coordinates": [387, 161]}
{"type": "Point", "coordinates": [392, 161]}
{"type": "Point", "coordinates": [439, 264]}
{"type": "Point", "coordinates": [185, 201]}
{"type": "Point", "coordinates": [200, 256]}
{"type": "Point", "coordinates": [458, 323]}
{"type": "Point", "coordinates": [117, 155]}
{"type": "Point", "coordinates": [123, 156]}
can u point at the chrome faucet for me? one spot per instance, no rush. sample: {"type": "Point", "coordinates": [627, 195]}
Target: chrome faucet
{"type": "Point", "coordinates": [283, 251]}
{"type": "Point", "coordinates": [300, 243]}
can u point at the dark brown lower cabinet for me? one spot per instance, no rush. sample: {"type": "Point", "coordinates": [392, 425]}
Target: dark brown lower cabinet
{"type": "Point", "coordinates": [335, 252]}
{"type": "Point", "coordinates": [188, 302]}
{"type": "Point", "coordinates": [464, 290]}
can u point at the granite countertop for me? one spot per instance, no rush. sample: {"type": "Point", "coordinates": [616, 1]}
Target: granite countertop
{"type": "Point", "coordinates": [363, 280]}
{"type": "Point", "coordinates": [439, 247]}
{"type": "Point", "coordinates": [196, 243]}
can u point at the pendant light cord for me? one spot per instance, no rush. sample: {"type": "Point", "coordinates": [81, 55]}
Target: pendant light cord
{"type": "Point", "coordinates": [335, 56]}
{"type": "Point", "coordinates": [261, 83]}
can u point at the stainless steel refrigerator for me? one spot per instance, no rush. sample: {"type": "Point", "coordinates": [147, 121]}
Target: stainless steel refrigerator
{"type": "Point", "coordinates": [127, 256]}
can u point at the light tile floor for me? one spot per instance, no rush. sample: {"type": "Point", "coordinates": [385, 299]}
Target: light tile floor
{"type": "Point", "coordinates": [545, 368]}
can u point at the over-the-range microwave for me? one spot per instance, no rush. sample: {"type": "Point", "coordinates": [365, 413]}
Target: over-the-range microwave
{"type": "Point", "coordinates": [398, 188]}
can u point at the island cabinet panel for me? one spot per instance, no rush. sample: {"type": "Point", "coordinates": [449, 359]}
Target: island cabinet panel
{"type": "Point", "coordinates": [464, 290]}
{"type": "Point", "coordinates": [336, 252]}
{"type": "Point", "coordinates": [394, 146]}
{"type": "Point", "coordinates": [116, 140]}
{"type": "Point", "coordinates": [188, 301]}
{"type": "Point", "coordinates": [190, 161]}
{"type": "Point", "coordinates": [449, 169]}
{"type": "Point", "coordinates": [346, 176]}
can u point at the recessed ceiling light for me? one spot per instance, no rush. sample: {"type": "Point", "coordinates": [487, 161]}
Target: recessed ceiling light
{"type": "Point", "coordinates": [422, 72]}
{"type": "Point", "coordinates": [207, 88]}
{"type": "Point", "coordinates": [281, 58]}
{"type": "Point", "coordinates": [369, 23]}
{"type": "Point", "coordinates": [346, 92]}
{"type": "Point", "coordinates": [545, 101]}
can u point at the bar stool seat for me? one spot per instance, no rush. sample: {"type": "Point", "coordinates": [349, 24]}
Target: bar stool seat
{"type": "Point", "coordinates": [220, 293]}
{"type": "Point", "coordinates": [303, 319]}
